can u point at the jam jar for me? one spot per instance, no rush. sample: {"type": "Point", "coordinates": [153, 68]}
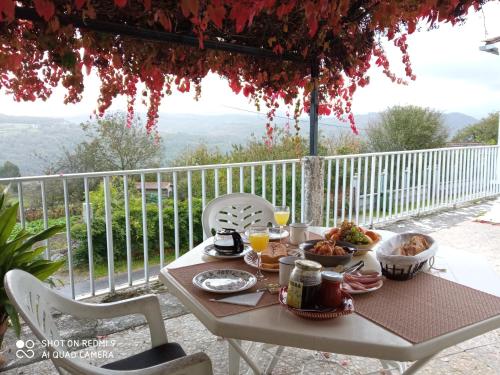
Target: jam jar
{"type": "Point", "coordinates": [304, 284]}
{"type": "Point", "coordinates": [330, 293]}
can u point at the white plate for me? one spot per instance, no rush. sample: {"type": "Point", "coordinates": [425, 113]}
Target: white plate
{"type": "Point", "coordinates": [352, 291]}
{"type": "Point", "coordinates": [252, 260]}
{"type": "Point", "coordinates": [224, 281]}
{"type": "Point", "coordinates": [210, 251]}
{"type": "Point", "coordinates": [274, 234]}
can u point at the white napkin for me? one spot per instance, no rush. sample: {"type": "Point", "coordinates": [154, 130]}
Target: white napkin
{"type": "Point", "coordinates": [248, 299]}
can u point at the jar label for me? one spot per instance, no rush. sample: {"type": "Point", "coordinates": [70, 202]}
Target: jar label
{"type": "Point", "coordinates": [294, 294]}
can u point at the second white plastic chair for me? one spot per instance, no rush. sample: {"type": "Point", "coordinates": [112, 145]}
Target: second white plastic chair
{"type": "Point", "coordinates": [236, 211]}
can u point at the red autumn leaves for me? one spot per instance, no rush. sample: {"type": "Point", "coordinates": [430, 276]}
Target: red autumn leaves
{"type": "Point", "coordinates": [342, 34]}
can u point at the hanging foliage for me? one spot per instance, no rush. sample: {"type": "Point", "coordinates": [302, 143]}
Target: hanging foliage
{"type": "Point", "coordinates": [342, 36]}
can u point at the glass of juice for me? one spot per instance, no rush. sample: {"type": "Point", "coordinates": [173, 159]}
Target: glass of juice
{"type": "Point", "coordinates": [259, 239]}
{"type": "Point", "coordinates": [281, 215]}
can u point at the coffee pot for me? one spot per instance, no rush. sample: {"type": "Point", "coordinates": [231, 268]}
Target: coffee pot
{"type": "Point", "coordinates": [228, 242]}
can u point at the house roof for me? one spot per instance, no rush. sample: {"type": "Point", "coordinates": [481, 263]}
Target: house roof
{"type": "Point", "coordinates": [165, 185]}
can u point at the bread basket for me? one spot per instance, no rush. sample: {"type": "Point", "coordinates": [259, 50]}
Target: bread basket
{"type": "Point", "coordinates": [401, 267]}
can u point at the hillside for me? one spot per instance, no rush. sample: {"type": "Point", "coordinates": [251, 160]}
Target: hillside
{"type": "Point", "coordinates": [31, 142]}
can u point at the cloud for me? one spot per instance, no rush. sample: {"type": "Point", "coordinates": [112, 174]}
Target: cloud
{"type": "Point", "coordinates": [452, 74]}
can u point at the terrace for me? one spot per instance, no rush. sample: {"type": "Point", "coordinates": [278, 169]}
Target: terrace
{"type": "Point", "coordinates": [121, 239]}
{"type": "Point", "coordinates": [444, 192]}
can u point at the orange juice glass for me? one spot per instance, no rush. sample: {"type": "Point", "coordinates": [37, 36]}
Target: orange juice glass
{"type": "Point", "coordinates": [281, 216]}
{"type": "Point", "coordinates": [259, 240]}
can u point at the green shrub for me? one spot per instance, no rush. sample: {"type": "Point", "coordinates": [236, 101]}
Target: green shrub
{"type": "Point", "coordinates": [36, 226]}
{"type": "Point", "coordinates": [79, 231]}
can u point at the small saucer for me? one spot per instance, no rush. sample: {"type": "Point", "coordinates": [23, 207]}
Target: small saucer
{"type": "Point", "coordinates": [211, 251]}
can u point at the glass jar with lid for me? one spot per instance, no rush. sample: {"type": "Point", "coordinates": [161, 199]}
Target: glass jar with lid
{"type": "Point", "coordinates": [330, 292]}
{"type": "Point", "coordinates": [304, 284]}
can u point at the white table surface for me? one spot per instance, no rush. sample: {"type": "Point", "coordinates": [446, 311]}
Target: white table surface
{"type": "Point", "coordinates": [352, 334]}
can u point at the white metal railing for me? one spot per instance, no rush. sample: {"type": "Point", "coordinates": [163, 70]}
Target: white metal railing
{"type": "Point", "coordinates": [381, 187]}
{"type": "Point", "coordinates": [366, 188]}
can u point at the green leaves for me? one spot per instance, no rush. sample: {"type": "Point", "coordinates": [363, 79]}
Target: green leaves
{"type": "Point", "coordinates": [407, 128]}
{"type": "Point", "coordinates": [483, 132]}
{"type": "Point", "coordinates": [7, 222]}
{"type": "Point", "coordinates": [14, 317]}
{"type": "Point", "coordinates": [18, 251]}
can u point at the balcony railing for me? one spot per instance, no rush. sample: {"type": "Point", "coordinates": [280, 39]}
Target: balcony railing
{"type": "Point", "coordinates": [366, 188]}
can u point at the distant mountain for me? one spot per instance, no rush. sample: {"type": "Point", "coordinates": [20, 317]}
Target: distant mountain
{"type": "Point", "coordinates": [456, 121]}
{"type": "Point", "coordinates": [27, 141]}
{"type": "Point", "coordinates": [30, 142]}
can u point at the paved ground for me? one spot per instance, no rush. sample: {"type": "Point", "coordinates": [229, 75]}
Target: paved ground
{"type": "Point", "coordinates": [458, 228]}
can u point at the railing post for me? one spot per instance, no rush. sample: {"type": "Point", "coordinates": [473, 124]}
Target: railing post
{"type": "Point", "coordinates": [314, 189]}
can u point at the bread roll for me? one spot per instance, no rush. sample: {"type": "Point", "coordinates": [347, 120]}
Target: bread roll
{"type": "Point", "coordinates": [273, 253]}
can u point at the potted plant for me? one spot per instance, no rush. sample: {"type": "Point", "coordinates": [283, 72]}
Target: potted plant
{"type": "Point", "coordinates": [21, 250]}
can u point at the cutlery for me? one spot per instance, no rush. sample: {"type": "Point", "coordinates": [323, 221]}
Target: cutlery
{"type": "Point", "coordinates": [354, 267]}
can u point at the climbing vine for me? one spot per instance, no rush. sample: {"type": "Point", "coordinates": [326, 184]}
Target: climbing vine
{"type": "Point", "coordinates": [342, 36]}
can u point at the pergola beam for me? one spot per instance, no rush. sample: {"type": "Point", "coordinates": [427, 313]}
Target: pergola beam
{"type": "Point", "coordinates": [313, 111]}
{"type": "Point", "coordinates": [166, 37]}
{"type": "Point", "coordinates": [492, 40]}
{"type": "Point", "coordinates": [114, 28]}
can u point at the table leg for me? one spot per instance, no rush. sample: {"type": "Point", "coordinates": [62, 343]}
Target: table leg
{"type": "Point", "coordinates": [274, 361]}
{"type": "Point", "coordinates": [234, 358]}
{"type": "Point", "coordinates": [236, 351]}
{"type": "Point", "coordinates": [393, 365]}
{"type": "Point", "coordinates": [418, 365]}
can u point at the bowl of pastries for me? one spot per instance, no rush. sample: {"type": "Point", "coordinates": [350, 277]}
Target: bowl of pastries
{"type": "Point", "coordinates": [404, 255]}
{"type": "Point", "coordinates": [326, 252]}
{"type": "Point", "coordinates": [352, 235]}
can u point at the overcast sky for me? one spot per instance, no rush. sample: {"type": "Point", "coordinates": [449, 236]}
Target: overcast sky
{"type": "Point", "coordinates": [452, 76]}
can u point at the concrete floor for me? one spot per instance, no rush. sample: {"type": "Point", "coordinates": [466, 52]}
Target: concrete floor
{"type": "Point", "coordinates": [457, 228]}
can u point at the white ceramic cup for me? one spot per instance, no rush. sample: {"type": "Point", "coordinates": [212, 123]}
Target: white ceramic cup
{"type": "Point", "coordinates": [298, 233]}
{"type": "Point", "coordinates": [286, 266]}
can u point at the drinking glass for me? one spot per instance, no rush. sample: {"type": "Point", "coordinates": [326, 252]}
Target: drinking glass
{"type": "Point", "coordinates": [281, 215]}
{"type": "Point", "coordinates": [259, 240]}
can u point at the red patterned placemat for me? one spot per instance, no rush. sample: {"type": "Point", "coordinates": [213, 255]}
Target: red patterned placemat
{"type": "Point", "coordinates": [184, 275]}
{"type": "Point", "coordinates": [425, 307]}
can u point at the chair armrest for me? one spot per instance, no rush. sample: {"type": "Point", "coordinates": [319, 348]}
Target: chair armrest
{"type": "Point", "coordinates": [147, 305]}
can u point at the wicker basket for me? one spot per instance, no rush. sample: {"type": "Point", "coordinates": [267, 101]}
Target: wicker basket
{"type": "Point", "coordinates": [400, 267]}
{"type": "Point", "coordinates": [401, 273]}
{"type": "Point", "coordinates": [346, 308]}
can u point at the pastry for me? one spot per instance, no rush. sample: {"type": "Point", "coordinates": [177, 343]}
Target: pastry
{"type": "Point", "coordinates": [415, 245]}
{"type": "Point", "coordinates": [273, 253]}
{"type": "Point", "coordinates": [270, 266]}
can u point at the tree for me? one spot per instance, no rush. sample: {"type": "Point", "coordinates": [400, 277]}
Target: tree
{"type": "Point", "coordinates": [343, 144]}
{"type": "Point", "coordinates": [43, 45]}
{"type": "Point", "coordinates": [285, 145]}
{"type": "Point", "coordinates": [111, 145]}
{"type": "Point", "coordinates": [407, 128]}
{"type": "Point", "coordinates": [9, 170]}
{"type": "Point", "coordinates": [485, 131]}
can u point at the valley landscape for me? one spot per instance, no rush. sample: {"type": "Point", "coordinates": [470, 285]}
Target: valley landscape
{"type": "Point", "coordinates": [33, 142]}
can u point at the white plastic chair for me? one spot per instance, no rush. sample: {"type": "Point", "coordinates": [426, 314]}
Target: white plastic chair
{"type": "Point", "coordinates": [34, 301]}
{"type": "Point", "coordinates": [236, 211]}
